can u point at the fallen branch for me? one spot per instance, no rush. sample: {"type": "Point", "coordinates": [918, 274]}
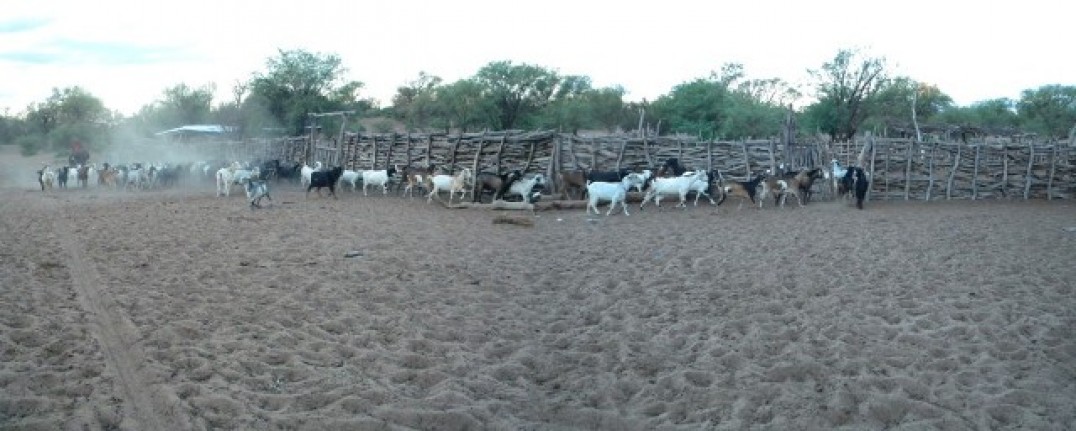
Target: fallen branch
{"type": "Point", "coordinates": [507, 219]}
{"type": "Point", "coordinates": [495, 205]}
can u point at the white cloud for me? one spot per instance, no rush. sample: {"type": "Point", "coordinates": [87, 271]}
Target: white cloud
{"type": "Point", "coordinates": [128, 52]}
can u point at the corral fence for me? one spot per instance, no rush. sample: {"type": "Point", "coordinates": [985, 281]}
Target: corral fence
{"type": "Point", "coordinates": [899, 168]}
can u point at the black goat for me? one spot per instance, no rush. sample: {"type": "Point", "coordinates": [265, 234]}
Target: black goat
{"type": "Point", "coordinates": [671, 168]}
{"type": "Point", "coordinates": [856, 179]}
{"type": "Point", "coordinates": [288, 172]}
{"type": "Point", "coordinates": [607, 176]}
{"type": "Point", "coordinates": [61, 177]}
{"type": "Point", "coordinates": [325, 179]}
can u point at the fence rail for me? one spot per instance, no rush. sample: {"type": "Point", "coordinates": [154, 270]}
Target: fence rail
{"type": "Point", "coordinates": [899, 168]}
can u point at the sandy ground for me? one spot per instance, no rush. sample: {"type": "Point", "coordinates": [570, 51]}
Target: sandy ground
{"type": "Point", "coordinates": [178, 310]}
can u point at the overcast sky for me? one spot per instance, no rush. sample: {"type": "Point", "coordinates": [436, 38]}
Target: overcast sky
{"type": "Point", "coordinates": [127, 52]}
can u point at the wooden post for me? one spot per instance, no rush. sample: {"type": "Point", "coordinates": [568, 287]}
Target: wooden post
{"type": "Point", "coordinates": [874, 149]}
{"type": "Point", "coordinates": [340, 141]}
{"type": "Point", "coordinates": [474, 167]}
{"type": "Point", "coordinates": [746, 160]}
{"type": "Point", "coordinates": [354, 144]}
{"type": "Point", "coordinates": [646, 151]}
{"type": "Point", "coordinates": [593, 154]}
{"type": "Point", "coordinates": [530, 156]}
{"type": "Point", "coordinates": [1027, 175]}
{"type": "Point", "coordinates": [455, 148]}
{"type": "Point", "coordinates": [975, 173]}
{"type": "Point", "coordinates": [552, 171]}
{"type": "Point", "coordinates": [710, 155]}
{"type": "Point", "coordinates": [1004, 170]}
{"type": "Point", "coordinates": [1050, 179]}
{"type": "Point", "coordinates": [409, 146]}
{"type": "Point", "coordinates": [388, 157]}
{"type": "Point", "coordinates": [571, 151]}
{"type": "Point", "coordinates": [429, 149]}
{"type": "Point", "coordinates": [373, 160]}
{"type": "Point", "coordinates": [308, 152]}
{"type": "Point", "coordinates": [930, 184]}
{"type": "Point", "coordinates": [500, 153]}
{"type": "Point", "coordinates": [680, 150]}
{"type": "Point", "coordinates": [952, 173]}
{"type": "Point", "coordinates": [620, 156]}
{"type": "Point", "coordinates": [773, 157]}
{"type": "Point", "coordinates": [888, 153]}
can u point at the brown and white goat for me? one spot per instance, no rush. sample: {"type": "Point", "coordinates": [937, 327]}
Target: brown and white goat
{"type": "Point", "coordinates": [415, 177]}
{"type": "Point", "coordinates": [801, 183]}
{"type": "Point", "coordinates": [743, 189]}
{"type": "Point", "coordinates": [453, 184]}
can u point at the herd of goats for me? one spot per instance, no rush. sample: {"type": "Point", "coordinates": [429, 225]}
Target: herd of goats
{"type": "Point", "coordinates": [670, 179]}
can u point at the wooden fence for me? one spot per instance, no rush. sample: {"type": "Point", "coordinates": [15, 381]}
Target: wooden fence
{"type": "Point", "coordinates": [899, 168]}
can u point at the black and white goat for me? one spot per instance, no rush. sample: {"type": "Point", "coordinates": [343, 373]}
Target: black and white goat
{"type": "Point", "coordinates": [856, 179]}
{"type": "Point", "coordinates": [743, 189]}
{"type": "Point", "coordinates": [527, 188]}
{"type": "Point", "coordinates": [256, 190]}
{"type": "Point", "coordinates": [377, 178]}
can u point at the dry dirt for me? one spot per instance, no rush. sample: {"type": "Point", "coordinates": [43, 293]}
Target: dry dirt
{"type": "Point", "coordinates": [179, 310]}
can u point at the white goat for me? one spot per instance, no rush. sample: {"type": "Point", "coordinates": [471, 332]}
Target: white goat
{"type": "Point", "coordinates": [136, 177]}
{"type": "Point", "coordinates": [378, 178]}
{"type": "Point", "coordinates": [46, 177]}
{"type": "Point", "coordinates": [349, 176]}
{"type": "Point", "coordinates": [701, 187]}
{"type": "Point", "coordinates": [674, 186]}
{"type": "Point", "coordinates": [241, 176]}
{"type": "Point", "coordinates": [225, 177]}
{"type": "Point", "coordinates": [525, 188]}
{"type": "Point", "coordinates": [304, 173]}
{"type": "Point", "coordinates": [612, 192]}
{"type": "Point", "coordinates": [451, 184]}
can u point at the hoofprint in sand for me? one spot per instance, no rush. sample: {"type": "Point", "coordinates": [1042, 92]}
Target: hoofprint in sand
{"type": "Point", "coordinates": [205, 314]}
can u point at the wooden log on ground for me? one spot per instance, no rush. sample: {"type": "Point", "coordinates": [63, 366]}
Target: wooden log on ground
{"type": "Point", "coordinates": [495, 205]}
{"type": "Point", "coordinates": [516, 220]}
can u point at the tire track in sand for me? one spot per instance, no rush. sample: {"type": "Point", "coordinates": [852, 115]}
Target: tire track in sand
{"type": "Point", "coordinates": [152, 407]}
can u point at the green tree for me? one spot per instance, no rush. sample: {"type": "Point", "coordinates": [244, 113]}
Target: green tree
{"type": "Point", "coordinates": [607, 108]}
{"type": "Point", "coordinates": [178, 105]}
{"type": "Point", "coordinates": [67, 115]}
{"type": "Point", "coordinates": [569, 108]}
{"type": "Point", "coordinates": [517, 92]}
{"type": "Point", "coordinates": [892, 104]}
{"type": "Point", "coordinates": [995, 115]}
{"type": "Point", "coordinates": [462, 105]}
{"type": "Point", "coordinates": [725, 105]}
{"type": "Point", "coordinates": [844, 88]}
{"type": "Point", "coordinates": [1049, 110]}
{"type": "Point", "coordinates": [695, 107]}
{"type": "Point", "coordinates": [416, 103]}
{"type": "Point", "coordinates": [297, 83]}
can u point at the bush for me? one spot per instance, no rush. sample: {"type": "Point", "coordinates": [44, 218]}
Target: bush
{"type": "Point", "coordinates": [30, 144]}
